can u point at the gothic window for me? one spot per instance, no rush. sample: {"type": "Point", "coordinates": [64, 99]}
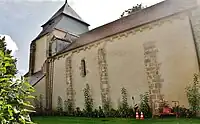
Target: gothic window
{"type": "Point", "coordinates": [83, 68]}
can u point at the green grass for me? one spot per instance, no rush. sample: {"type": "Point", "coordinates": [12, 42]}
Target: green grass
{"type": "Point", "coordinates": [67, 120]}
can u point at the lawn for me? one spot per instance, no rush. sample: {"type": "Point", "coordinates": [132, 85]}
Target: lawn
{"type": "Point", "coordinates": [67, 120]}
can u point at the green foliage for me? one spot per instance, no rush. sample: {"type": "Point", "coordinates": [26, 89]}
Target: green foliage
{"type": "Point", "coordinates": [88, 100]}
{"type": "Point", "coordinates": [60, 105]}
{"type": "Point", "coordinates": [144, 105]}
{"type": "Point", "coordinates": [78, 112]}
{"type": "Point", "coordinates": [182, 112]}
{"type": "Point", "coordinates": [124, 98]}
{"type": "Point", "coordinates": [124, 105]}
{"type": "Point", "coordinates": [65, 106]}
{"type": "Point", "coordinates": [107, 107]}
{"type": "Point", "coordinates": [133, 9]}
{"type": "Point", "coordinates": [69, 107]}
{"type": "Point", "coordinates": [96, 113]}
{"type": "Point", "coordinates": [193, 94]}
{"type": "Point", "coordinates": [15, 95]}
{"type": "Point", "coordinates": [11, 70]}
{"type": "Point", "coordinates": [101, 113]}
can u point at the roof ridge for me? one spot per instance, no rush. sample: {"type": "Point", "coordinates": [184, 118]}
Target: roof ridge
{"type": "Point", "coordinates": [157, 11]}
{"type": "Point", "coordinates": [55, 14]}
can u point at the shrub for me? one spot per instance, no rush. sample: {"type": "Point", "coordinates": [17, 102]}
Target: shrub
{"type": "Point", "coordinates": [123, 108]}
{"type": "Point", "coordinates": [131, 112]}
{"type": "Point", "coordinates": [69, 107]}
{"type": "Point", "coordinates": [193, 95]}
{"type": "Point", "coordinates": [112, 113]}
{"type": "Point", "coordinates": [101, 113]}
{"type": "Point", "coordinates": [65, 106]}
{"type": "Point", "coordinates": [88, 100]}
{"type": "Point", "coordinates": [78, 112]}
{"type": "Point", "coordinates": [144, 105]}
{"type": "Point", "coordinates": [96, 113]}
{"type": "Point", "coordinates": [183, 112]}
{"type": "Point", "coordinates": [106, 108]}
{"type": "Point", "coordinates": [60, 105]}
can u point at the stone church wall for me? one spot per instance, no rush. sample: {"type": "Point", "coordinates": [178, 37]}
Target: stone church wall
{"type": "Point", "coordinates": [59, 82]}
{"type": "Point", "coordinates": [40, 53]}
{"type": "Point", "coordinates": [61, 77]}
{"type": "Point", "coordinates": [158, 58]}
{"type": "Point", "coordinates": [40, 94]}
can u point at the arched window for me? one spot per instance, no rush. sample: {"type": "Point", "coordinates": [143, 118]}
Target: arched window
{"type": "Point", "coordinates": [83, 68]}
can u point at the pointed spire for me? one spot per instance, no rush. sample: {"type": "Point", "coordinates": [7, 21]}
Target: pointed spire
{"type": "Point", "coordinates": [66, 2]}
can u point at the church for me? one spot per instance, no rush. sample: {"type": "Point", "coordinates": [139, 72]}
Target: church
{"type": "Point", "coordinates": [154, 50]}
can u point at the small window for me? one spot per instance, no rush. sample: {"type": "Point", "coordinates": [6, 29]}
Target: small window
{"type": "Point", "coordinates": [83, 68]}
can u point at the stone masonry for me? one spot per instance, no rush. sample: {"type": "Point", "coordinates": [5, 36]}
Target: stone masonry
{"type": "Point", "coordinates": [103, 71]}
{"type": "Point", "coordinates": [70, 90]}
{"type": "Point", "coordinates": [153, 75]}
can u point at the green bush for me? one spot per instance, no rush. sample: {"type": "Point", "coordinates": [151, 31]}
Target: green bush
{"type": "Point", "coordinates": [69, 107]}
{"type": "Point", "coordinates": [101, 113]}
{"type": "Point", "coordinates": [144, 105]}
{"type": "Point", "coordinates": [124, 107]}
{"type": "Point", "coordinates": [78, 112]}
{"type": "Point", "coordinates": [182, 112]}
{"type": "Point", "coordinates": [96, 113]}
{"type": "Point", "coordinates": [60, 105]}
{"type": "Point", "coordinates": [131, 112]}
{"type": "Point", "coordinates": [193, 95]}
{"type": "Point", "coordinates": [88, 100]}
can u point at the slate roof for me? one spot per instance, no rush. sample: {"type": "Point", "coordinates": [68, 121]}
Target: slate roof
{"type": "Point", "coordinates": [36, 77]}
{"type": "Point", "coordinates": [64, 10]}
{"type": "Point", "coordinates": [144, 16]}
{"type": "Point", "coordinates": [67, 10]}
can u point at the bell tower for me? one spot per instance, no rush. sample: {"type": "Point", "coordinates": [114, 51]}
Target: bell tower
{"type": "Point", "coordinates": [63, 28]}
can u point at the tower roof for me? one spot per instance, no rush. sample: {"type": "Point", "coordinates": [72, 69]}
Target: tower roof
{"type": "Point", "coordinates": [67, 10]}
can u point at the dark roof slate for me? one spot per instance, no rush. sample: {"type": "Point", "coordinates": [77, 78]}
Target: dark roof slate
{"type": "Point", "coordinates": [66, 10]}
{"type": "Point", "coordinates": [36, 77]}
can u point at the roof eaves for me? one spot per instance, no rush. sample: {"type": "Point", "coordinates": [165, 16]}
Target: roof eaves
{"type": "Point", "coordinates": [69, 49]}
{"type": "Point", "coordinates": [38, 80]}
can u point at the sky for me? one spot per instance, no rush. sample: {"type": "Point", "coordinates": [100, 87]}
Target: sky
{"type": "Point", "coordinates": [21, 20]}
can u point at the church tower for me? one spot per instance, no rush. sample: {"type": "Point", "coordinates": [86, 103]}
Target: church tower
{"type": "Point", "coordinates": [63, 28]}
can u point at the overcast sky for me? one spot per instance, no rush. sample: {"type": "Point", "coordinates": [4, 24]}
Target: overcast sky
{"type": "Point", "coordinates": [21, 19]}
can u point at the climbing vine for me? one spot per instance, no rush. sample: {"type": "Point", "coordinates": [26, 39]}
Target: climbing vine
{"type": "Point", "coordinates": [144, 104]}
{"type": "Point", "coordinates": [60, 105]}
{"type": "Point", "coordinates": [88, 100]}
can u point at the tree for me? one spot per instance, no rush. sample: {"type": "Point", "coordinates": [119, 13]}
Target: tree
{"type": "Point", "coordinates": [11, 69]}
{"type": "Point", "coordinates": [133, 9]}
{"type": "Point", "coordinates": [15, 94]}
{"type": "Point", "coordinates": [193, 94]}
